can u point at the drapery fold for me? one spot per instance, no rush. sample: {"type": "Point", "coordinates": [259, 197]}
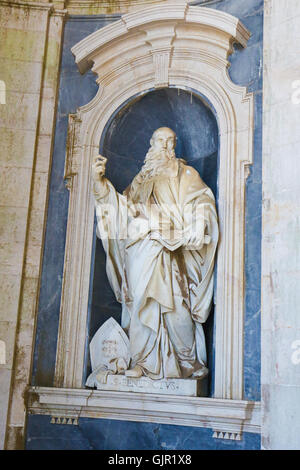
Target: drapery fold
{"type": "Point", "coordinates": [160, 239]}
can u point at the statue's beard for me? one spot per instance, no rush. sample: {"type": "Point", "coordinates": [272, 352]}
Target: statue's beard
{"type": "Point", "coordinates": [156, 162]}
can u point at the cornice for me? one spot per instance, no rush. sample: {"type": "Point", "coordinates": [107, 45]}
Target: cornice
{"type": "Point", "coordinates": [229, 28]}
{"type": "Point", "coordinates": [227, 418]}
{"type": "Point", "coordinates": [47, 7]}
{"type": "Point", "coordinates": [30, 5]}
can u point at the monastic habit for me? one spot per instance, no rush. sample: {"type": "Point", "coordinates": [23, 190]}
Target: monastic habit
{"type": "Point", "coordinates": [160, 238]}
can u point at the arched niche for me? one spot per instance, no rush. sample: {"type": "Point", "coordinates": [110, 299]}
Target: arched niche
{"type": "Point", "coordinates": [125, 142]}
{"type": "Point", "coordinates": [172, 45]}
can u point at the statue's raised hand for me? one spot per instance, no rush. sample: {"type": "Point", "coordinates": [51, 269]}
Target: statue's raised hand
{"type": "Point", "coordinates": [98, 167]}
{"type": "Point", "coordinates": [98, 171]}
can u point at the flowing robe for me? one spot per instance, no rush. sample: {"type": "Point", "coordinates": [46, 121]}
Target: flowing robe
{"type": "Point", "coordinates": [160, 238]}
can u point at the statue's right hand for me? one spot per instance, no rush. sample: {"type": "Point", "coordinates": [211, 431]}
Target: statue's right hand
{"type": "Point", "coordinates": [98, 167]}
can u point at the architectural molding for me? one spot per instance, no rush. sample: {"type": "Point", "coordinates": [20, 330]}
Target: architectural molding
{"type": "Point", "coordinates": [28, 5]}
{"type": "Point", "coordinates": [227, 418]}
{"type": "Point", "coordinates": [92, 7]}
{"type": "Point", "coordinates": [50, 7]}
{"type": "Point", "coordinates": [222, 30]}
{"type": "Point", "coordinates": [72, 161]}
{"type": "Point", "coordinates": [124, 57]}
{"type": "Point", "coordinates": [24, 4]}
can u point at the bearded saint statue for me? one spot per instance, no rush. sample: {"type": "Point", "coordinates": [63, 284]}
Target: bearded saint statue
{"type": "Point", "coordinates": [160, 238]}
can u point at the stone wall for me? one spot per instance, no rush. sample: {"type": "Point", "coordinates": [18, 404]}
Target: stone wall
{"type": "Point", "coordinates": [281, 228]}
{"type": "Point", "coordinates": [29, 58]}
{"type": "Point", "coordinates": [30, 39]}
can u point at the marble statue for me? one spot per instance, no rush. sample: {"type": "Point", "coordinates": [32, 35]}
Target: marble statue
{"type": "Point", "coordinates": [160, 238]}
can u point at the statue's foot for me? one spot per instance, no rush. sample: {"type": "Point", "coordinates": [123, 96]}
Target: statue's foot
{"type": "Point", "coordinates": [200, 373]}
{"type": "Point", "coordinates": [136, 372]}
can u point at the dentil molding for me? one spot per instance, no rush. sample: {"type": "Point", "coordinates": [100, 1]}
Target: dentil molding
{"type": "Point", "coordinates": [173, 45]}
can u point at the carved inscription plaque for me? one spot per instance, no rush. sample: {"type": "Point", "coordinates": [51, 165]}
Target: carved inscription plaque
{"type": "Point", "coordinates": [185, 387]}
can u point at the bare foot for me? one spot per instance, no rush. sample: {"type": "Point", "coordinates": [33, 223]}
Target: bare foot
{"type": "Point", "coordinates": [136, 372]}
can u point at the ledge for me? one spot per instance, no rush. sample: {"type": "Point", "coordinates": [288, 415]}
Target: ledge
{"type": "Point", "coordinates": [227, 418]}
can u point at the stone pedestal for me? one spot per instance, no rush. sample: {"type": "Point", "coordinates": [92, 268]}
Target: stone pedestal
{"type": "Point", "coordinates": [184, 387]}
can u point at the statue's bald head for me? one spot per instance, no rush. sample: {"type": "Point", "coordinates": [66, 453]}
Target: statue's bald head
{"type": "Point", "coordinates": [163, 139]}
{"type": "Point", "coordinates": [163, 132]}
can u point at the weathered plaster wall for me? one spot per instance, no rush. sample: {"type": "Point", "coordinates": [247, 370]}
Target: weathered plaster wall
{"type": "Point", "coordinates": [29, 57]}
{"type": "Point", "coordinates": [246, 67]}
{"type": "Point", "coordinates": [281, 228]}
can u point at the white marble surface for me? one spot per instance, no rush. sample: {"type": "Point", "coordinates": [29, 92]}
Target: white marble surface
{"type": "Point", "coordinates": [109, 343]}
{"type": "Point", "coordinates": [223, 416]}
